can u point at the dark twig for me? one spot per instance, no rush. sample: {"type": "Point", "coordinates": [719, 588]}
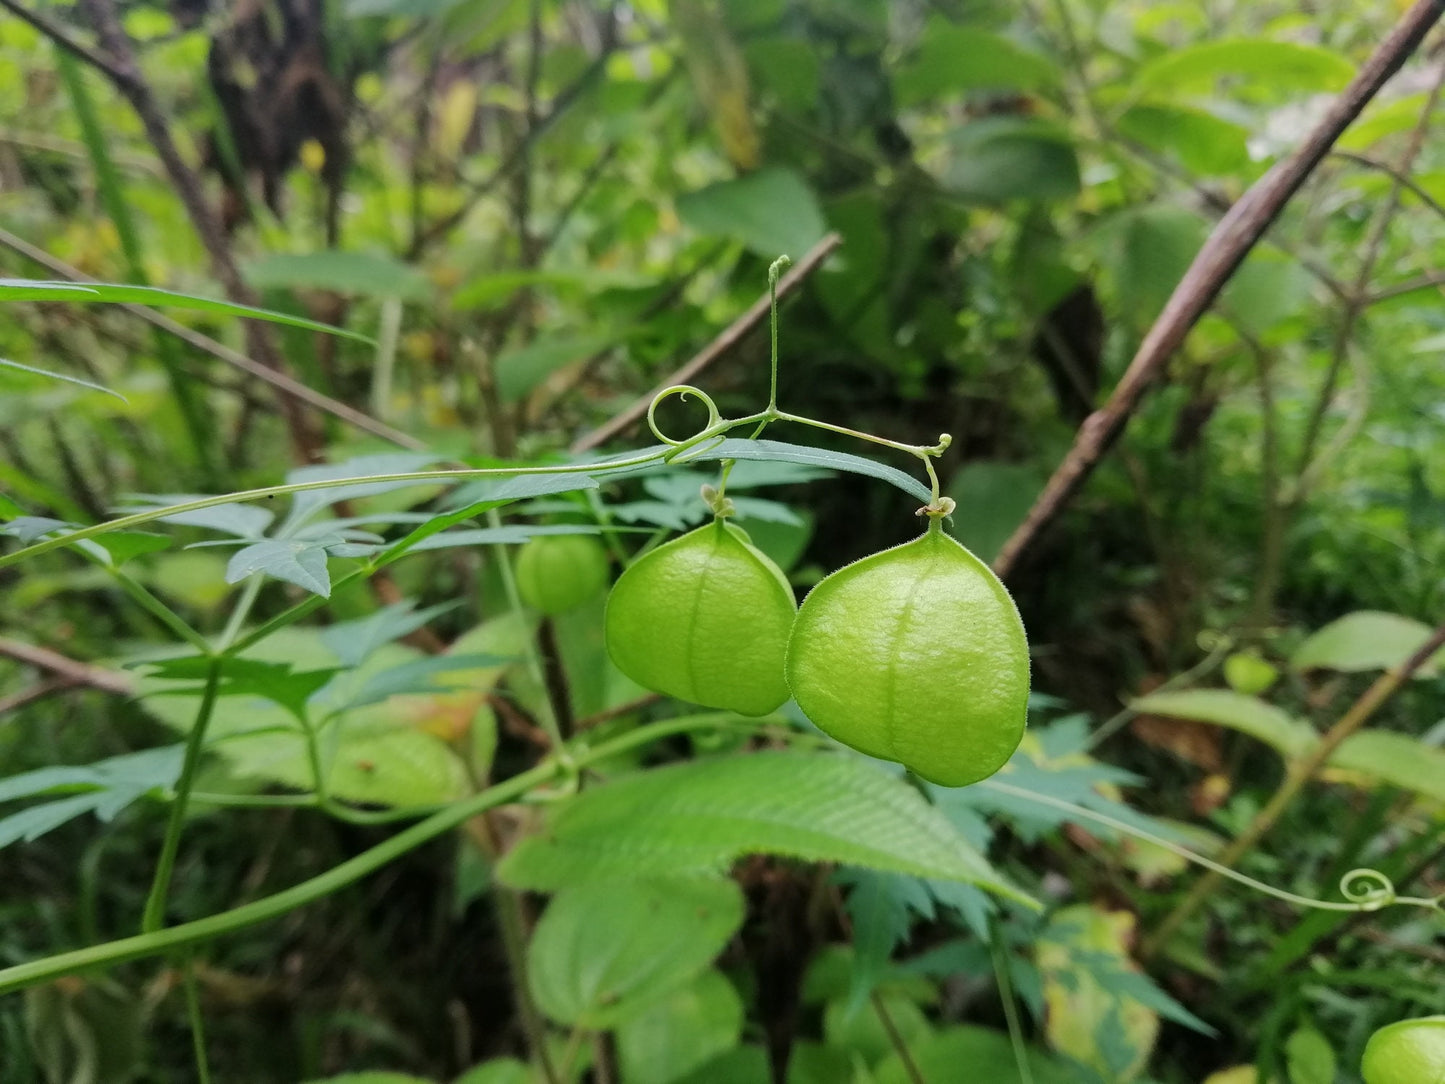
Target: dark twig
{"type": "Point", "coordinates": [1400, 177]}
{"type": "Point", "coordinates": [280, 381]}
{"type": "Point", "coordinates": [1232, 239]}
{"type": "Point", "coordinates": [63, 38]}
{"type": "Point", "coordinates": [517, 159]}
{"type": "Point", "coordinates": [733, 334]}
{"type": "Point", "coordinates": [1410, 286]}
{"type": "Point", "coordinates": [39, 691]}
{"type": "Point", "coordinates": [73, 672]}
{"type": "Point", "coordinates": [1359, 298]}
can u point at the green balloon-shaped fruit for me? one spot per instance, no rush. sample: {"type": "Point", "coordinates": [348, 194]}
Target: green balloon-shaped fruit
{"type": "Point", "coordinates": [559, 572]}
{"type": "Point", "coordinates": [1407, 1052]}
{"type": "Point", "coordinates": [917, 655]}
{"type": "Point", "coordinates": [704, 618]}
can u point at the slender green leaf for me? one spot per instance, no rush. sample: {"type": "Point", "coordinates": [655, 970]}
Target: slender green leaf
{"type": "Point", "coordinates": [777, 451]}
{"type": "Point", "coordinates": [1397, 759]}
{"type": "Point", "coordinates": [120, 294]}
{"type": "Point", "coordinates": [8, 364]}
{"type": "Point", "coordinates": [1367, 640]}
{"type": "Point", "coordinates": [1247, 714]}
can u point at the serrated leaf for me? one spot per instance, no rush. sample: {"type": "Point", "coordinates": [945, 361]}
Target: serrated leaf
{"type": "Point", "coordinates": [308, 501]}
{"type": "Point", "coordinates": [510, 534]}
{"type": "Point", "coordinates": [1367, 640]}
{"type": "Point", "coordinates": [144, 770]}
{"type": "Point", "coordinates": [6, 363]}
{"type": "Point", "coordinates": [417, 676]}
{"type": "Point", "coordinates": [366, 273]}
{"type": "Point", "coordinates": [882, 907]}
{"type": "Point", "coordinates": [108, 786]}
{"type": "Point", "coordinates": [124, 545]}
{"type": "Point", "coordinates": [1247, 714]}
{"type": "Point", "coordinates": [116, 293]}
{"type": "Point", "coordinates": [821, 458]}
{"type": "Point", "coordinates": [241, 520]}
{"type": "Point", "coordinates": [483, 497]}
{"type": "Point", "coordinates": [30, 824]}
{"type": "Point", "coordinates": [600, 955]}
{"type": "Point", "coordinates": [301, 563]}
{"type": "Point", "coordinates": [275, 681]}
{"type": "Point", "coordinates": [700, 816]}
{"type": "Point", "coordinates": [354, 641]}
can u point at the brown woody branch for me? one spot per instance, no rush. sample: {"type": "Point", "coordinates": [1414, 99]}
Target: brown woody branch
{"type": "Point", "coordinates": [733, 334]}
{"type": "Point", "coordinates": [68, 670]}
{"type": "Point", "coordinates": [1232, 239]}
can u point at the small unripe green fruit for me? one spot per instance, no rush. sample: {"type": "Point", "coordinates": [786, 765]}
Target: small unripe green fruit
{"type": "Point", "coordinates": [557, 573]}
{"type": "Point", "coordinates": [704, 618]}
{"type": "Point", "coordinates": [916, 654]}
{"type": "Point", "coordinates": [1407, 1052]}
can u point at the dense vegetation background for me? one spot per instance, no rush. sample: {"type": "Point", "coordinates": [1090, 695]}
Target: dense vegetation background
{"type": "Point", "coordinates": [536, 211]}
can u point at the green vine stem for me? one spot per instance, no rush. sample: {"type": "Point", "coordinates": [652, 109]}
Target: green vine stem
{"type": "Point", "coordinates": [1010, 1004]}
{"type": "Point", "coordinates": [158, 942]}
{"type": "Point", "coordinates": [198, 1026]}
{"type": "Point", "coordinates": [1298, 772]}
{"type": "Point", "coordinates": [1366, 889]}
{"type": "Point", "coordinates": [155, 906]}
{"type": "Point", "coordinates": [546, 710]}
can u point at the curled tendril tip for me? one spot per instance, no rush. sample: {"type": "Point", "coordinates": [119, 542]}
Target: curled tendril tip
{"type": "Point", "coordinates": [1369, 888]}
{"type": "Point", "coordinates": [682, 391]}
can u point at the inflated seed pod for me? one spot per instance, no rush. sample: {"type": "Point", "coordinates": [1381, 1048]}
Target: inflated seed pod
{"type": "Point", "coordinates": [704, 618]}
{"type": "Point", "coordinates": [917, 655]}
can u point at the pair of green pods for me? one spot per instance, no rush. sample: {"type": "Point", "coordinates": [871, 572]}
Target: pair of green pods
{"type": "Point", "coordinates": [916, 654]}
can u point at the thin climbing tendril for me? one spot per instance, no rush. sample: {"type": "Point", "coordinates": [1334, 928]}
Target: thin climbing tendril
{"type": "Point", "coordinates": [1365, 889]}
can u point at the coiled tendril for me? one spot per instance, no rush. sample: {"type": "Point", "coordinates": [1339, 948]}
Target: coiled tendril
{"type": "Point", "coordinates": [1369, 888]}
{"type": "Point", "coordinates": [714, 419]}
